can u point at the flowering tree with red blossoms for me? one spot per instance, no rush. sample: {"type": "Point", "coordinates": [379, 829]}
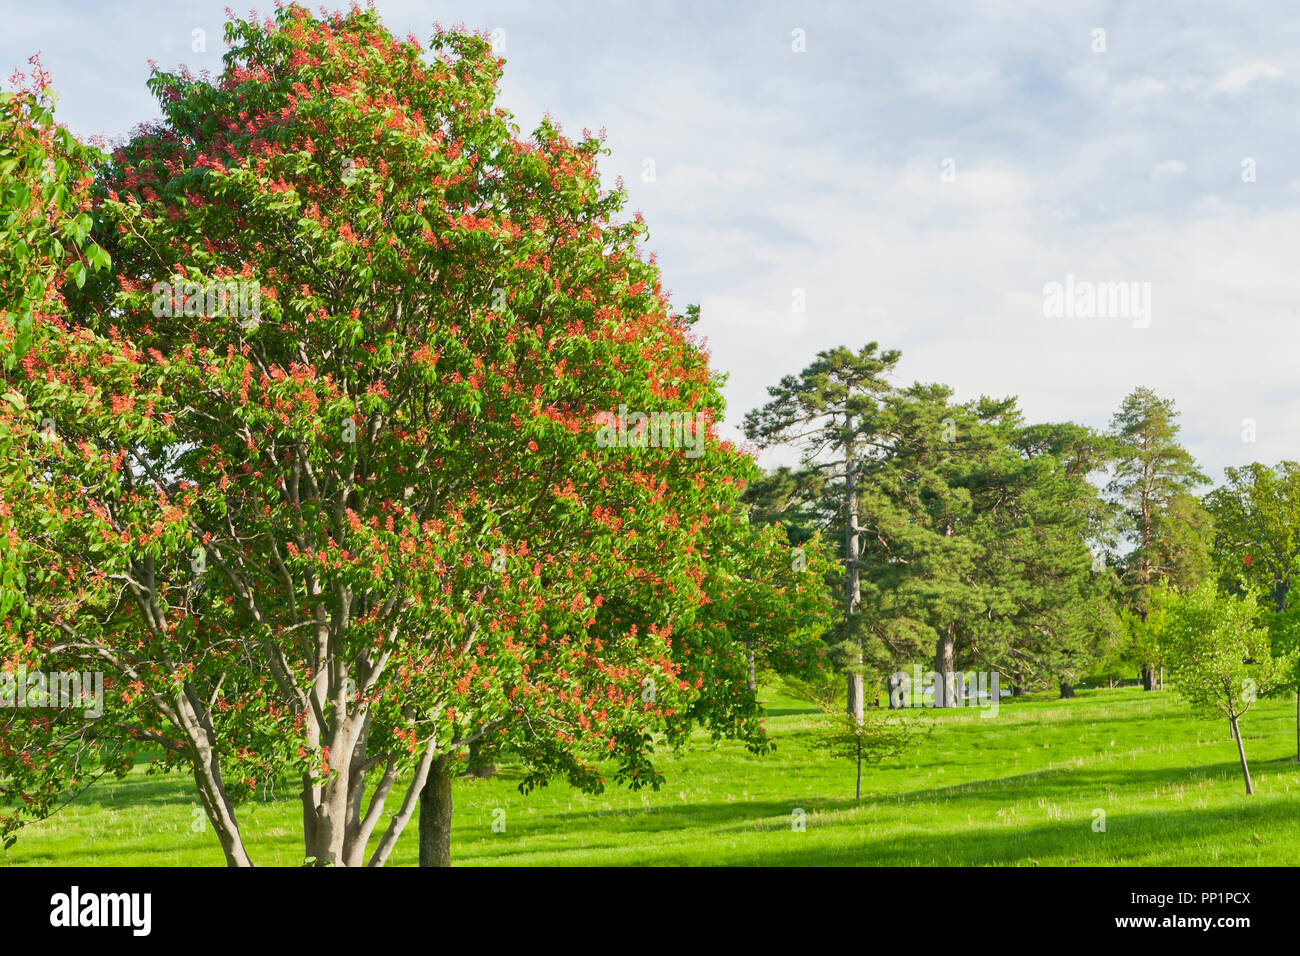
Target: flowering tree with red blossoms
{"type": "Point", "coordinates": [360, 519]}
{"type": "Point", "coordinates": [45, 221]}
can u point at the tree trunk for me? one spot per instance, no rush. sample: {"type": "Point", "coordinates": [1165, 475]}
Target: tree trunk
{"type": "Point", "coordinates": [339, 793]}
{"type": "Point", "coordinates": [855, 696]}
{"type": "Point", "coordinates": [1017, 690]}
{"type": "Point", "coordinates": [1241, 752]}
{"type": "Point", "coordinates": [197, 726]}
{"type": "Point", "coordinates": [945, 676]}
{"type": "Point", "coordinates": [1148, 677]}
{"type": "Point", "coordinates": [220, 813]}
{"type": "Point", "coordinates": [309, 796]}
{"type": "Point", "coordinates": [330, 825]}
{"type": "Point", "coordinates": [476, 765]}
{"type": "Point", "coordinates": [749, 660]}
{"type": "Point", "coordinates": [397, 822]}
{"type": "Point", "coordinates": [435, 815]}
{"type": "Point", "coordinates": [1067, 690]}
{"type": "Point", "coordinates": [945, 691]}
{"type": "Point", "coordinates": [853, 583]}
{"type": "Point", "coordinates": [858, 791]}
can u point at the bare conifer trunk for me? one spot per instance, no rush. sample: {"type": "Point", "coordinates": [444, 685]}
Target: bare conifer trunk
{"type": "Point", "coordinates": [945, 690]}
{"type": "Point", "coordinates": [854, 581]}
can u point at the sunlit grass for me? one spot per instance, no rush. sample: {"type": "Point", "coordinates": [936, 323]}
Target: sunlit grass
{"type": "Point", "coordinates": [1022, 788]}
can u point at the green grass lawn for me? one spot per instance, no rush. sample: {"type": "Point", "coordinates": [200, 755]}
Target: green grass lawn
{"type": "Point", "coordinates": [1022, 788]}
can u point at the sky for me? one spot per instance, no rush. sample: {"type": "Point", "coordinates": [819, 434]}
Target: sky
{"type": "Point", "coordinates": [916, 174]}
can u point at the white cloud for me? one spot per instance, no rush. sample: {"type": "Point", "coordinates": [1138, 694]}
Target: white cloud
{"type": "Point", "coordinates": [1240, 77]}
{"type": "Point", "coordinates": [822, 171]}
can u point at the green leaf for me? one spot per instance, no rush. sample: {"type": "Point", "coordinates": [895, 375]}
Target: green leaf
{"type": "Point", "coordinates": [98, 257]}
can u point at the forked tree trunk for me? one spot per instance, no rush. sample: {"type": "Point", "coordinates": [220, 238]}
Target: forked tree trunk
{"type": "Point", "coordinates": [435, 816]}
{"type": "Point", "coordinates": [1241, 752]}
{"type": "Point", "coordinates": [330, 825]}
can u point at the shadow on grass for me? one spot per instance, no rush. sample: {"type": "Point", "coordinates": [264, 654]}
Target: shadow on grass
{"type": "Point", "coordinates": [175, 789]}
{"type": "Point", "coordinates": [1129, 838]}
{"type": "Point", "coordinates": [790, 712]}
{"type": "Point", "coordinates": [611, 827]}
{"type": "Point", "coordinates": [1066, 780]}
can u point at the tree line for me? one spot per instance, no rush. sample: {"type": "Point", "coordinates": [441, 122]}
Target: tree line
{"type": "Point", "coordinates": [1044, 552]}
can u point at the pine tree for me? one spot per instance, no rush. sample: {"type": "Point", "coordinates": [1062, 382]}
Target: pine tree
{"type": "Point", "coordinates": [828, 412]}
{"type": "Point", "coordinates": [1153, 485]}
{"type": "Point", "coordinates": [1053, 619]}
{"type": "Point", "coordinates": [921, 504]}
{"type": "Point", "coordinates": [981, 545]}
